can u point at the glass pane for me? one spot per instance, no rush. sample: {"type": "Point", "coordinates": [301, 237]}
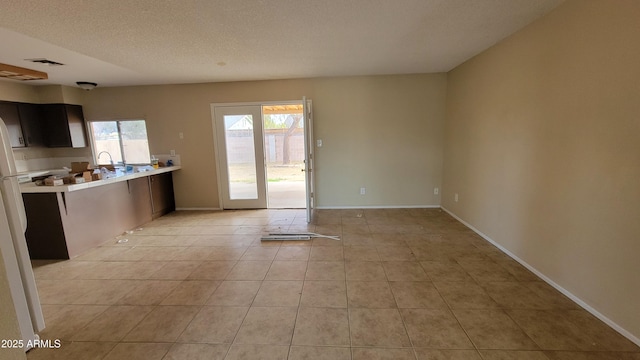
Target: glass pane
{"type": "Point", "coordinates": [284, 155]}
{"type": "Point", "coordinates": [135, 142]}
{"type": "Point", "coordinates": [106, 142]}
{"type": "Point", "coordinates": [241, 159]}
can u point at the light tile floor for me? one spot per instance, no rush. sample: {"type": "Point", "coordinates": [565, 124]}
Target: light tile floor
{"type": "Point", "coordinates": [401, 284]}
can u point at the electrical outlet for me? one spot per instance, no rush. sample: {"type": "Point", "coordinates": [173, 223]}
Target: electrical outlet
{"type": "Point", "coordinates": [455, 197]}
{"type": "Point", "coordinates": [363, 191]}
{"type": "Point", "coordinates": [436, 191]}
{"type": "Point", "coordinates": [172, 152]}
{"type": "Point", "coordinates": [181, 135]}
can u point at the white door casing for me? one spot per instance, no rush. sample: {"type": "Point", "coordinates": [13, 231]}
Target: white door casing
{"type": "Point", "coordinates": [309, 157]}
{"type": "Point", "coordinates": [242, 173]}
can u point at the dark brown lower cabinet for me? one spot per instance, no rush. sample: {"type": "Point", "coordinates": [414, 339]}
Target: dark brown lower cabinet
{"type": "Point", "coordinates": [45, 232]}
{"type": "Point", "coordinates": [162, 199]}
{"type": "Point", "coordinates": [62, 225]}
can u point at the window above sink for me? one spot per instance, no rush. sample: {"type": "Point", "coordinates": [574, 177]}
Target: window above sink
{"type": "Point", "coordinates": [119, 141]}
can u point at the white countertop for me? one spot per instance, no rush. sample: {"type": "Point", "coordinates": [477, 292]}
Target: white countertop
{"type": "Point", "coordinates": [33, 188]}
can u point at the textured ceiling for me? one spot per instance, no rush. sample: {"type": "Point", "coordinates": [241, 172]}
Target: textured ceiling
{"type": "Point", "coordinates": [136, 42]}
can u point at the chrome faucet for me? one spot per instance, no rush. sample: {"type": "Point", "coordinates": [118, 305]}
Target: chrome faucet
{"type": "Point", "coordinates": [105, 152]}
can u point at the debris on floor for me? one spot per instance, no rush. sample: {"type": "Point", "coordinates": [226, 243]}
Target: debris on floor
{"type": "Point", "coordinates": [296, 236]}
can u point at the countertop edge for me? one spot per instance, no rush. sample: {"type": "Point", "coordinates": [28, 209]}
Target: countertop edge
{"type": "Point", "coordinates": [33, 188]}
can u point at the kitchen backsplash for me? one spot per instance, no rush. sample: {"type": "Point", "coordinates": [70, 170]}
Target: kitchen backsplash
{"type": "Point", "coordinates": [47, 163]}
{"type": "Point", "coordinates": [164, 158]}
{"type": "Point", "coordinates": [30, 159]}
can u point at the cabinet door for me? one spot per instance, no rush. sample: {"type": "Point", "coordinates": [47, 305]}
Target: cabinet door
{"type": "Point", "coordinates": [57, 126]}
{"type": "Point", "coordinates": [11, 118]}
{"type": "Point", "coordinates": [162, 199]}
{"type": "Point", "coordinates": [77, 131]}
{"type": "Point", "coordinates": [45, 233]}
{"type": "Point", "coordinates": [139, 201]}
{"type": "Point", "coordinates": [32, 124]}
{"type": "Point", "coordinates": [65, 125]}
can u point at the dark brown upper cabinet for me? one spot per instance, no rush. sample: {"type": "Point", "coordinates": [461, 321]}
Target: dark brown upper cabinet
{"type": "Point", "coordinates": [11, 117]}
{"type": "Point", "coordinates": [32, 124]}
{"type": "Point", "coordinates": [65, 125]}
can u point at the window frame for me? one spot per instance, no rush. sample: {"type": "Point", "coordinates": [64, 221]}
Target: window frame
{"type": "Point", "coordinates": [120, 142]}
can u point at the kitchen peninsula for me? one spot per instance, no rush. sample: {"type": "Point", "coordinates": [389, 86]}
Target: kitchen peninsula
{"type": "Point", "coordinates": [67, 220]}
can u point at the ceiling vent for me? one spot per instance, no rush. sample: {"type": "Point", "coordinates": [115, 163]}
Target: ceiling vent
{"type": "Point", "coordinates": [45, 61]}
{"type": "Point", "coordinates": [19, 73]}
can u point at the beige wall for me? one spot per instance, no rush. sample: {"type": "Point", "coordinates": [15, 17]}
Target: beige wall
{"type": "Point", "coordinates": [171, 109]}
{"type": "Point", "coordinates": [11, 90]}
{"type": "Point", "coordinates": [380, 132]}
{"type": "Point", "coordinates": [383, 133]}
{"type": "Point", "coordinates": [542, 146]}
{"type": "Point", "coordinates": [9, 328]}
{"type": "Point", "coordinates": [15, 91]}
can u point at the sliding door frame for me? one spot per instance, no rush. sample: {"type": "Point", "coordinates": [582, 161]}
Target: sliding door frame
{"type": "Point", "coordinates": [217, 152]}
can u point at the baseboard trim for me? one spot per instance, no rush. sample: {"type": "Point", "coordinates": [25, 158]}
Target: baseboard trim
{"type": "Point", "coordinates": [378, 207]}
{"type": "Point", "coordinates": [326, 207]}
{"type": "Point", "coordinates": [564, 291]}
{"type": "Point", "coordinates": [198, 209]}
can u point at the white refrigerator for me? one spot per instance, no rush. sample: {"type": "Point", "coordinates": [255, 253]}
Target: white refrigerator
{"type": "Point", "coordinates": [13, 224]}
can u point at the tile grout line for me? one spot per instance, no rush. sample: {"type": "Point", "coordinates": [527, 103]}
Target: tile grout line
{"type": "Point", "coordinates": [344, 262]}
{"type": "Point", "coordinates": [233, 341]}
{"type": "Point", "coordinates": [346, 290]}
